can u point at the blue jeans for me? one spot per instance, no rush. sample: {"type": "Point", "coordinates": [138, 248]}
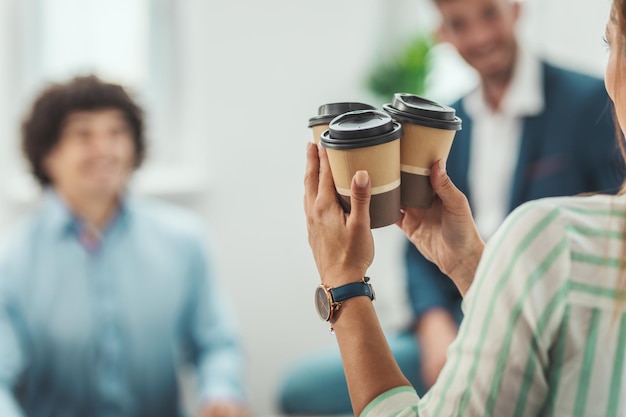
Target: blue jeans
{"type": "Point", "coordinates": [316, 384]}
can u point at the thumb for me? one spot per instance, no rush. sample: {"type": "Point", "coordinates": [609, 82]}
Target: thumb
{"type": "Point", "coordinates": [450, 196]}
{"type": "Point", "coordinates": [360, 197]}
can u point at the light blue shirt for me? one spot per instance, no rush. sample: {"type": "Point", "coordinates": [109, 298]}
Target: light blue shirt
{"type": "Point", "coordinates": [102, 332]}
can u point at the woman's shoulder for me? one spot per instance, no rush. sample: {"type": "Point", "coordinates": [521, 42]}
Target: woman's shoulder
{"type": "Point", "coordinates": [578, 219]}
{"type": "Point", "coordinates": [540, 218]}
{"type": "Point", "coordinates": [582, 208]}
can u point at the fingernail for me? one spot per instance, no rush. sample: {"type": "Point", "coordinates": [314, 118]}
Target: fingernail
{"type": "Point", "coordinates": [442, 166]}
{"type": "Point", "coordinates": [361, 179]}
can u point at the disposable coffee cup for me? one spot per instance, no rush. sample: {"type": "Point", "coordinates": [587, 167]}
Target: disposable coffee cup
{"type": "Point", "coordinates": [327, 112]}
{"type": "Point", "coordinates": [428, 131]}
{"type": "Point", "coordinates": [367, 140]}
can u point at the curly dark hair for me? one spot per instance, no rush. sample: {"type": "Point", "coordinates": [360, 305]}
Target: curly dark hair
{"type": "Point", "coordinates": [41, 129]}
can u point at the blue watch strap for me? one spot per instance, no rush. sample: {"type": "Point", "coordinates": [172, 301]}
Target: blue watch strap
{"type": "Point", "coordinates": [353, 289]}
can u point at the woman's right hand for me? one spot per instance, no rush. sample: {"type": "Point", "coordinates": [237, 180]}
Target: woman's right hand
{"type": "Point", "coordinates": [446, 233]}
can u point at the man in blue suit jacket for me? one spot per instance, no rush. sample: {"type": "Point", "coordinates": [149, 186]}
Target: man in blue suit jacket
{"type": "Point", "coordinates": [530, 130]}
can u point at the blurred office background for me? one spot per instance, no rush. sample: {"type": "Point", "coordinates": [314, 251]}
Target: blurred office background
{"type": "Point", "coordinates": [228, 87]}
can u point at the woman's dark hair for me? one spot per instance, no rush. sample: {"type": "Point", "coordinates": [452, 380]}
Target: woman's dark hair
{"type": "Point", "coordinates": [619, 9]}
{"type": "Point", "coordinates": [42, 127]}
{"type": "Point", "coordinates": [618, 15]}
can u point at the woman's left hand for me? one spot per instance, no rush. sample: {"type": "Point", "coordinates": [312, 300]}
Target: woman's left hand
{"type": "Point", "coordinates": [341, 243]}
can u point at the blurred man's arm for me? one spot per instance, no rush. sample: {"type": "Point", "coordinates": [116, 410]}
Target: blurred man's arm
{"type": "Point", "coordinates": [220, 359]}
{"type": "Point", "coordinates": [435, 332]}
{"type": "Point", "coordinates": [435, 305]}
{"type": "Point", "coordinates": [11, 359]}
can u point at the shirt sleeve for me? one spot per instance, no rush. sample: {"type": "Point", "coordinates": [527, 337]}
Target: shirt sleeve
{"type": "Point", "coordinates": [499, 363]}
{"type": "Point", "coordinates": [398, 402]}
{"type": "Point", "coordinates": [11, 354]}
{"type": "Point", "coordinates": [214, 333]}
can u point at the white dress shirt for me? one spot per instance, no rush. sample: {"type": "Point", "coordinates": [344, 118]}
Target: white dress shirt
{"type": "Point", "coordinates": [496, 138]}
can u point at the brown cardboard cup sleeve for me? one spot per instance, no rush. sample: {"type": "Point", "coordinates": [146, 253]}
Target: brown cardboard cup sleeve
{"type": "Point", "coordinates": [367, 140]}
{"type": "Point", "coordinates": [428, 131]}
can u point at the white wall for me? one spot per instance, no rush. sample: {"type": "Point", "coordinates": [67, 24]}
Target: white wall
{"type": "Point", "coordinates": [569, 32]}
{"type": "Point", "coordinates": [254, 73]}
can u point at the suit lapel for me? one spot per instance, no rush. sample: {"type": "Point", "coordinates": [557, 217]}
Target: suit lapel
{"type": "Point", "coordinates": [533, 132]}
{"type": "Point", "coordinates": [529, 149]}
{"type": "Point", "coordinates": [458, 161]}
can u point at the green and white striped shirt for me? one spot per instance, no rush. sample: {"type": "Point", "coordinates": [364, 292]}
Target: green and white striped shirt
{"type": "Point", "coordinates": [544, 332]}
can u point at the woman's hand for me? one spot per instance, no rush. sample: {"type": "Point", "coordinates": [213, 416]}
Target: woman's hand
{"type": "Point", "coordinates": [342, 244]}
{"type": "Point", "coordinates": [446, 233]}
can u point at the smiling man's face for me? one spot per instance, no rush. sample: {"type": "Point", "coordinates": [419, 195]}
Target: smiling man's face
{"type": "Point", "coordinates": [483, 32]}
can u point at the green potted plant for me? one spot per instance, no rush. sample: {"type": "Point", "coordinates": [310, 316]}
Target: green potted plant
{"type": "Point", "coordinates": [405, 72]}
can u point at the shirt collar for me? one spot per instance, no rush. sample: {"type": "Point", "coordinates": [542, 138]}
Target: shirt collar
{"type": "Point", "coordinates": [524, 95]}
{"type": "Point", "coordinates": [60, 218]}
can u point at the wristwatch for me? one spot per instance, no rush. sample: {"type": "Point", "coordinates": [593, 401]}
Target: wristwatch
{"type": "Point", "coordinates": [328, 300]}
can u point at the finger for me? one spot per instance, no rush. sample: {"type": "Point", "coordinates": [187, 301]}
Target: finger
{"type": "Point", "coordinates": [311, 176]}
{"type": "Point", "coordinates": [451, 197]}
{"type": "Point", "coordinates": [401, 219]}
{"type": "Point", "coordinates": [407, 217]}
{"type": "Point", "coordinates": [326, 193]}
{"type": "Point", "coordinates": [360, 197]}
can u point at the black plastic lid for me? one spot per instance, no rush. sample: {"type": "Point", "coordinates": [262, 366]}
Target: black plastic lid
{"type": "Point", "coordinates": [415, 109]}
{"type": "Point", "coordinates": [360, 129]}
{"type": "Point", "coordinates": [327, 112]}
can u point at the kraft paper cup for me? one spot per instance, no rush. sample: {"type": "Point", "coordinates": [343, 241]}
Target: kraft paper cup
{"type": "Point", "coordinates": [428, 131]}
{"type": "Point", "coordinates": [327, 112]}
{"type": "Point", "coordinates": [367, 140]}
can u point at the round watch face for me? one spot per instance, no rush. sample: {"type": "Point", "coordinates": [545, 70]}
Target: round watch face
{"type": "Point", "coordinates": [322, 303]}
